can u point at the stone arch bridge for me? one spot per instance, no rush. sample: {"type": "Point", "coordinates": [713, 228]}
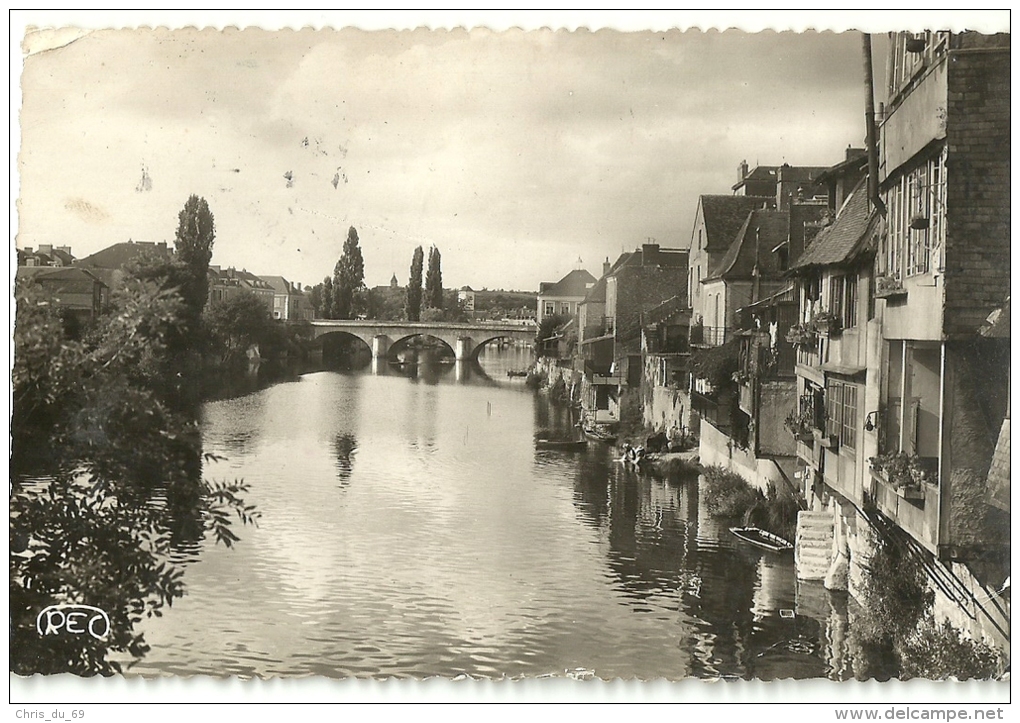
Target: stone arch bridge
{"type": "Point", "coordinates": [465, 339]}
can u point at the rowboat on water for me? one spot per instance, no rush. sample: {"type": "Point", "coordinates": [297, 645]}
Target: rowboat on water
{"type": "Point", "coordinates": [599, 435]}
{"type": "Point", "coordinates": [762, 538]}
{"type": "Point", "coordinates": [561, 445]}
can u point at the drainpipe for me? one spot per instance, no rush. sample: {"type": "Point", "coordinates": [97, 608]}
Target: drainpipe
{"type": "Point", "coordinates": [872, 134]}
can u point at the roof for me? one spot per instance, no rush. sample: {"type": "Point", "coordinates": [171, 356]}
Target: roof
{"type": "Point", "coordinates": [855, 162]}
{"type": "Point", "coordinates": [786, 296]}
{"type": "Point", "coordinates": [752, 247]}
{"type": "Point", "coordinates": [849, 235]}
{"type": "Point", "coordinates": [724, 215]}
{"type": "Point", "coordinates": [279, 284]}
{"type": "Point", "coordinates": [787, 172]}
{"type": "Point", "coordinates": [576, 283]}
{"type": "Point", "coordinates": [68, 279]}
{"type": "Point", "coordinates": [672, 307]}
{"type": "Point", "coordinates": [121, 254]}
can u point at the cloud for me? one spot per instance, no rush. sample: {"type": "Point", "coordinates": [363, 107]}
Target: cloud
{"type": "Point", "coordinates": [515, 152]}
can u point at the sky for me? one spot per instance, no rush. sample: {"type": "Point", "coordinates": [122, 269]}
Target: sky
{"type": "Point", "coordinates": [519, 154]}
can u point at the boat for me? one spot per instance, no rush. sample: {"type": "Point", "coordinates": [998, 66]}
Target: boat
{"type": "Point", "coordinates": [762, 538]}
{"type": "Point", "coordinates": [599, 435]}
{"type": "Point", "coordinates": [564, 445]}
{"type": "Point", "coordinates": [511, 373]}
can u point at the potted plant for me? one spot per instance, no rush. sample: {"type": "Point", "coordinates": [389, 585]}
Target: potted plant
{"type": "Point", "coordinates": [903, 472]}
{"type": "Point", "coordinates": [801, 335]}
{"type": "Point", "coordinates": [888, 286]}
{"type": "Point", "coordinates": [800, 424]}
{"type": "Point", "coordinates": [827, 323]}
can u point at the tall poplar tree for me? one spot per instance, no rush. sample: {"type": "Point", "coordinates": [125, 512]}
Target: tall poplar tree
{"type": "Point", "coordinates": [327, 298]}
{"type": "Point", "coordinates": [414, 286]}
{"type": "Point", "coordinates": [434, 281]}
{"type": "Point", "coordinates": [348, 276]}
{"type": "Point", "coordinates": [196, 230]}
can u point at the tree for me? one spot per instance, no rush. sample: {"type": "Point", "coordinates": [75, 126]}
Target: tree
{"type": "Point", "coordinates": [348, 276]}
{"type": "Point", "coordinates": [238, 322]}
{"type": "Point", "coordinates": [98, 520]}
{"type": "Point", "coordinates": [327, 298]}
{"type": "Point", "coordinates": [434, 281]}
{"type": "Point", "coordinates": [196, 230]}
{"type": "Point", "coordinates": [414, 286]}
{"type": "Point", "coordinates": [315, 300]}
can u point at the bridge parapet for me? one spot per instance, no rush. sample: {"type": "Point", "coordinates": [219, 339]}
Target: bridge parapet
{"type": "Point", "coordinates": [466, 339]}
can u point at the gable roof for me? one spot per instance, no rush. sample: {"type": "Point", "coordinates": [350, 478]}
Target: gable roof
{"type": "Point", "coordinates": [576, 283]}
{"type": "Point", "coordinates": [280, 285]}
{"type": "Point", "coordinates": [68, 279]}
{"type": "Point", "coordinates": [849, 235]}
{"type": "Point", "coordinates": [761, 232]}
{"type": "Point", "coordinates": [723, 216]}
{"type": "Point", "coordinates": [121, 254]}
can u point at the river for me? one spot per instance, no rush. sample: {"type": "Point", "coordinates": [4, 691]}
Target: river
{"type": "Point", "coordinates": [410, 528]}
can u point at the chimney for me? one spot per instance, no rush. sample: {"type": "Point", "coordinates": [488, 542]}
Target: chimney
{"type": "Point", "coordinates": [45, 248]}
{"type": "Point", "coordinates": [161, 245]}
{"type": "Point", "coordinates": [606, 266]}
{"type": "Point", "coordinates": [649, 254]}
{"type": "Point", "coordinates": [65, 249]}
{"type": "Point", "coordinates": [742, 171]}
{"type": "Point", "coordinates": [27, 249]}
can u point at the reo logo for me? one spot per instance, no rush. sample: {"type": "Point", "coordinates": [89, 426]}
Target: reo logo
{"type": "Point", "coordinates": [73, 619]}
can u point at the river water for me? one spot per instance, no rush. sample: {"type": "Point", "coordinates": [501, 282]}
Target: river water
{"type": "Point", "coordinates": [410, 528]}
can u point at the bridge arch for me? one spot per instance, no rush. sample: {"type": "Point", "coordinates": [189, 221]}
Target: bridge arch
{"type": "Point", "coordinates": [331, 341]}
{"type": "Point", "coordinates": [420, 334]}
{"type": "Point", "coordinates": [477, 346]}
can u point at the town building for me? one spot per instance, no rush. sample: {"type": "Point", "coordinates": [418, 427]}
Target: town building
{"type": "Point", "coordinates": [289, 302]}
{"type": "Point", "coordinates": [466, 296]}
{"type": "Point", "coordinates": [227, 283]}
{"type": "Point", "coordinates": [902, 358]}
{"type": "Point", "coordinates": [560, 298]}
{"type": "Point", "coordinates": [78, 294]}
{"type": "Point", "coordinates": [942, 269]}
{"type": "Point", "coordinates": [611, 344]}
{"type": "Point", "coordinates": [46, 255]}
{"type": "Point", "coordinates": [109, 264]}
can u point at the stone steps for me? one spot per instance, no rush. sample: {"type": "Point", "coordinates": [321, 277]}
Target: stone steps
{"type": "Point", "coordinates": [813, 548]}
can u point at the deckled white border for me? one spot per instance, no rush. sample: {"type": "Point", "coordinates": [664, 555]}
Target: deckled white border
{"type": "Point", "coordinates": [817, 698]}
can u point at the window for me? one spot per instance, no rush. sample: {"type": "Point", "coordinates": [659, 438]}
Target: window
{"type": "Point", "coordinates": [917, 219]}
{"type": "Point", "coordinates": [841, 412]}
{"type": "Point", "coordinates": [850, 306]}
{"type": "Point", "coordinates": [564, 308]}
{"type": "Point", "coordinates": [913, 52]}
{"type": "Point", "coordinates": [550, 308]}
{"type": "Point", "coordinates": [836, 296]}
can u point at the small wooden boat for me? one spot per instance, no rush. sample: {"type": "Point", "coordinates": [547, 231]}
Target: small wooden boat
{"type": "Point", "coordinates": [599, 435]}
{"type": "Point", "coordinates": [563, 445]}
{"type": "Point", "coordinates": [511, 373]}
{"type": "Point", "coordinates": [762, 538]}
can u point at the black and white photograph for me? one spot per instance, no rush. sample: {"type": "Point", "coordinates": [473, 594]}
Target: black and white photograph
{"type": "Point", "coordinates": [543, 352]}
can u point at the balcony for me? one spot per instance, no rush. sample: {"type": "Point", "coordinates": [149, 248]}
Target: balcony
{"type": "Point", "coordinates": [710, 335]}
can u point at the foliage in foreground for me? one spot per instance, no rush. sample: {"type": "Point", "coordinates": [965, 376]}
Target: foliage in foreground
{"type": "Point", "coordinates": [897, 636]}
{"type": "Point", "coordinates": [95, 519]}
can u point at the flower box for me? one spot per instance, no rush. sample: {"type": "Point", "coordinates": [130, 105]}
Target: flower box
{"type": "Point", "coordinates": [887, 287]}
{"type": "Point", "coordinates": [801, 335]}
{"type": "Point", "coordinates": [827, 324]}
{"type": "Point", "coordinates": [904, 473]}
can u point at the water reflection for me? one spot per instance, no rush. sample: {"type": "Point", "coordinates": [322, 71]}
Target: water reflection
{"type": "Point", "coordinates": [344, 446]}
{"type": "Point", "coordinates": [453, 546]}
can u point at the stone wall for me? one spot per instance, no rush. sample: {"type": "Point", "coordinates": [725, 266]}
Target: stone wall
{"type": "Point", "coordinates": [977, 274]}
